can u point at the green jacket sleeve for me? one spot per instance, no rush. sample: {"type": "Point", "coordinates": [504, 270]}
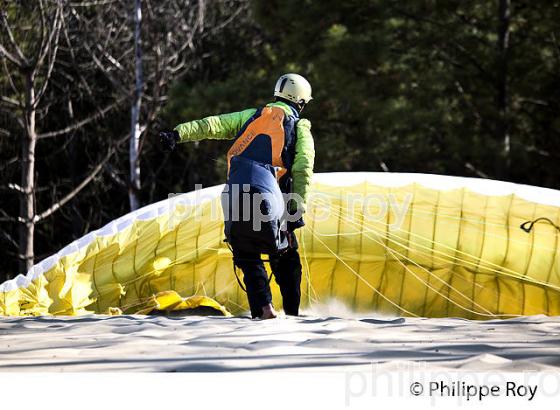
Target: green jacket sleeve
{"type": "Point", "coordinates": [216, 127]}
{"type": "Point", "coordinates": [302, 169]}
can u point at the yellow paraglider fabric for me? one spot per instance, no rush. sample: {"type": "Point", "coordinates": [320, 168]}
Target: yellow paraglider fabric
{"type": "Point", "coordinates": [406, 249]}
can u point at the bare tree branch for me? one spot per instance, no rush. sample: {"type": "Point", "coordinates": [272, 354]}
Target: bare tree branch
{"type": "Point", "coordinates": [52, 50]}
{"type": "Point", "coordinates": [15, 187]}
{"type": "Point", "coordinates": [476, 171]}
{"type": "Point", "coordinates": [5, 54]}
{"type": "Point", "coordinates": [112, 59]}
{"type": "Point", "coordinates": [83, 122]}
{"type": "Point", "coordinates": [57, 205]}
{"type": "Point", "coordinates": [9, 76]}
{"type": "Point", "coordinates": [114, 176]}
{"type": "Point", "coordinates": [93, 3]}
{"type": "Point", "coordinates": [9, 162]}
{"type": "Point", "coordinates": [7, 218]}
{"type": "Point", "coordinates": [10, 101]}
{"type": "Point", "coordinates": [9, 238]}
{"type": "Point", "coordinates": [48, 47]}
{"type": "Point", "coordinates": [43, 20]}
{"type": "Point", "coordinates": [21, 58]}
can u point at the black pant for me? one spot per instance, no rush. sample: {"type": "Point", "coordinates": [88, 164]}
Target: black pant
{"type": "Point", "coordinates": [286, 267]}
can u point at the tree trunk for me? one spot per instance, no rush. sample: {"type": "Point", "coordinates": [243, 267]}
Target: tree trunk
{"type": "Point", "coordinates": [27, 199]}
{"type": "Point", "coordinates": [134, 159]}
{"type": "Point", "coordinates": [503, 92]}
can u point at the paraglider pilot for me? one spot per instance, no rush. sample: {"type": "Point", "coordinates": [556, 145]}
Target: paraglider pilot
{"type": "Point", "coordinates": [271, 159]}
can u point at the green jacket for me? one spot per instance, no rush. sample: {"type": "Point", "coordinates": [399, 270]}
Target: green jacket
{"type": "Point", "coordinates": [227, 126]}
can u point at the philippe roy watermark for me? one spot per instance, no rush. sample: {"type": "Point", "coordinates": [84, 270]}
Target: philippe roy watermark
{"type": "Point", "coordinates": [241, 204]}
{"type": "Point", "coordinates": [411, 380]}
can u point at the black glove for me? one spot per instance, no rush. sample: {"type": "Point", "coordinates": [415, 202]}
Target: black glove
{"type": "Point", "coordinates": [292, 226]}
{"type": "Point", "coordinates": [169, 139]}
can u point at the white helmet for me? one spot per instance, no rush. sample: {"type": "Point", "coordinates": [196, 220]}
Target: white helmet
{"type": "Point", "coordinates": [294, 88]}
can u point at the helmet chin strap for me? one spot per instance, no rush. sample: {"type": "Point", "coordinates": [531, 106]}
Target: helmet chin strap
{"type": "Point", "coordinates": [300, 106]}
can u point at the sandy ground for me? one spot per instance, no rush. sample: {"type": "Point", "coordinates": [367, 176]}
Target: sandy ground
{"type": "Point", "coordinates": [156, 343]}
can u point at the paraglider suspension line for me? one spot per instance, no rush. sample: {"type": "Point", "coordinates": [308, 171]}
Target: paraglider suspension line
{"type": "Point", "coordinates": [237, 276]}
{"type": "Point", "coordinates": [528, 225]}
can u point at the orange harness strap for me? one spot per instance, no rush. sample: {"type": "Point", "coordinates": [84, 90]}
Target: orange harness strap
{"type": "Point", "coordinates": [270, 123]}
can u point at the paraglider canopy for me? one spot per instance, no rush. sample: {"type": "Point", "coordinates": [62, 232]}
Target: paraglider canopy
{"type": "Point", "coordinates": [407, 244]}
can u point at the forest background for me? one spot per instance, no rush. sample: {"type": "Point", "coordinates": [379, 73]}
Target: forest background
{"type": "Point", "coordinates": [468, 88]}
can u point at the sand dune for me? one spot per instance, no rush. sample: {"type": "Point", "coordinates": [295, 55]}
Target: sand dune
{"type": "Point", "coordinates": [147, 343]}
